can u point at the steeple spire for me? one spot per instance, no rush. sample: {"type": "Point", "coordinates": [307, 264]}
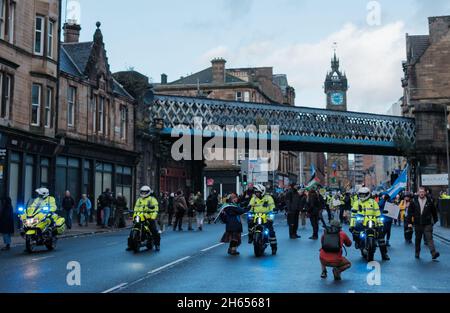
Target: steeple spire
{"type": "Point", "coordinates": [335, 60]}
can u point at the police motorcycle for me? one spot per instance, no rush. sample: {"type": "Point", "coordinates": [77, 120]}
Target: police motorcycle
{"type": "Point", "coordinates": [38, 227]}
{"type": "Point", "coordinates": [368, 242]}
{"type": "Point", "coordinates": [260, 231]}
{"type": "Point", "coordinates": [140, 234]}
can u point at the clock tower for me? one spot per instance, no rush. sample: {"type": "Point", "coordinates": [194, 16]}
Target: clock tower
{"type": "Point", "coordinates": [336, 87]}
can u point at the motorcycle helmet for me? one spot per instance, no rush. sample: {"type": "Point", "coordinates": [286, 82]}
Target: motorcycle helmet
{"type": "Point", "coordinates": [364, 194]}
{"type": "Point", "coordinates": [145, 191]}
{"type": "Point", "coordinates": [43, 192]}
{"type": "Point", "coordinates": [260, 188]}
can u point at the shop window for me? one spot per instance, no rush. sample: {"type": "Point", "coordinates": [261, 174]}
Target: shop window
{"type": "Point", "coordinates": [14, 178]}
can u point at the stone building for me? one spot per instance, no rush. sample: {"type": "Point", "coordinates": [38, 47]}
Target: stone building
{"type": "Point", "coordinates": [426, 91]}
{"type": "Point", "coordinates": [47, 132]}
{"type": "Point", "coordinates": [28, 95]}
{"type": "Point", "coordinates": [255, 85]}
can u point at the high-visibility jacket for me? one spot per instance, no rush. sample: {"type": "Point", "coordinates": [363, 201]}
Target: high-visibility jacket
{"type": "Point", "coordinates": [264, 205]}
{"type": "Point", "coordinates": [149, 206]}
{"type": "Point", "coordinates": [366, 208]}
{"type": "Point", "coordinates": [38, 204]}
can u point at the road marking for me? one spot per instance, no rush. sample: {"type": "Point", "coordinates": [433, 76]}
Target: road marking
{"type": "Point", "coordinates": [43, 258]}
{"type": "Point", "coordinates": [215, 246]}
{"type": "Point", "coordinates": [168, 265]}
{"type": "Point", "coordinates": [351, 291]}
{"type": "Point", "coordinates": [415, 288]}
{"type": "Point", "coordinates": [115, 288]}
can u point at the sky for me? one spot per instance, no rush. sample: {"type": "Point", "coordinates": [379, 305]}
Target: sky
{"type": "Point", "coordinates": [295, 37]}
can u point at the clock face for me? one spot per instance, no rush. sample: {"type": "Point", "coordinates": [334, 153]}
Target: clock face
{"type": "Point", "coordinates": [337, 98]}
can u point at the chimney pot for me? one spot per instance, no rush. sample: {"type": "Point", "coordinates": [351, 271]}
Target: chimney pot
{"type": "Point", "coordinates": [163, 79]}
{"type": "Point", "coordinates": [218, 70]}
{"type": "Point", "coordinates": [71, 32]}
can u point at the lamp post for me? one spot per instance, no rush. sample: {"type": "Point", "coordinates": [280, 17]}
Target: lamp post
{"type": "Point", "coordinates": [158, 125]}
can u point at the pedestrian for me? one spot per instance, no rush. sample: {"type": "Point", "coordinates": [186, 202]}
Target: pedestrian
{"type": "Point", "coordinates": [232, 218]}
{"type": "Point", "coordinates": [163, 207]}
{"type": "Point", "coordinates": [121, 208]}
{"type": "Point", "coordinates": [6, 222]}
{"type": "Point", "coordinates": [293, 200]}
{"type": "Point", "coordinates": [200, 208]}
{"type": "Point", "coordinates": [314, 208]}
{"type": "Point", "coordinates": [212, 202]}
{"type": "Point", "coordinates": [388, 221]}
{"type": "Point", "coordinates": [170, 208]}
{"type": "Point", "coordinates": [302, 207]}
{"type": "Point", "coordinates": [422, 214]}
{"type": "Point", "coordinates": [84, 210]}
{"type": "Point", "coordinates": [106, 202]}
{"type": "Point", "coordinates": [333, 240]}
{"type": "Point", "coordinates": [404, 205]}
{"type": "Point", "coordinates": [68, 204]}
{"type": "Point", "coordinates": [180, 209]}
{"type": "Point", "coordinates": [191, 211]}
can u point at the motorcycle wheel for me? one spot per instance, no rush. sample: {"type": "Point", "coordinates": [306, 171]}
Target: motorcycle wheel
{"type": "Point", "coordinates": [370, 250]}
{"type": "Point", "coordinates": [28, 244]}
{"type": "Point", "coordinates": [149, 243]}
{"type": "Point", "coordinates": [258, 245]}
{"type": "Point", "coordinates": [50, 244]}
{"type": "Point", "coordinates": [135, 241]}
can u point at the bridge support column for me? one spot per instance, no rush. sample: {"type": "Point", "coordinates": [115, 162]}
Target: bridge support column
{"type": "Point", "coordinates": [430, 152]}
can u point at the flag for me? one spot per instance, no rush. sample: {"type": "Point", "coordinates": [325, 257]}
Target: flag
{"type": "Point", "coordinates": [399, 185]}
{"type": "Point", "coordinates": [314, 181]}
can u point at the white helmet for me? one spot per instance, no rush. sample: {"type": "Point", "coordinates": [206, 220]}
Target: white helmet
{"type": "Point", "coordinates": [364, 193]}
{"type": "Point", "coordinates": [260, 188]}
{"type": "Point", "coordinates": [145, 191]}
{"type": "Point", "coordinates": [43, 192]}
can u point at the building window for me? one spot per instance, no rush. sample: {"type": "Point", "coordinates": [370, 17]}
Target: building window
{"type": "Point", "coordinates": [50, 31]}
{"type": "Point", "coordinates": [2, 18]}
{"type": "Point", "coordinates": [39, 36]}
{"type": "Point", "coordinates": [36, 104]}
{"type": "Point", "coordinates": [44, 168]}
{"type": "Point", "coordinates": [123, 123]}
{"type": "Point", "coordinates": [11, 19]}
{"type": "Point", "coordinates": [48, 108]}
{"type": "Point", "coordinates": [103, 177]}
{"type": "Point", "coordinates": [246, 96]}
{"type": "Point", "coordinates": [101, 115]}
{"type": "Point", "coordinates": [5, 94]}
{"type": "Point", "coordinates": [71, 101]}
{"type": "Point", "coordinates": [68, 176]}
{"type": "Point", "coordinates": [239, 96]}
{"type": "Point", "coordinates": [15, 167]}
{"type": "Point", "coordinates": [94, 114]}
{"type": "Point", "coordinates": [124, 181]}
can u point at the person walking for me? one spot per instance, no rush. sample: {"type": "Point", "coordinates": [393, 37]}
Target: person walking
{"type": "Point", "coordinates": [293, 200]}
{"type": "Point", "coordinates": [331, 255]}
{"type": "Point", "coordinates": [170, 208]}
{"type": "Point", "coordinates": [106, 202]}
{"type": "Point", "coordinates": [84, 210]}
{"type": "Point", "coordinates": [314, 207]}
{"type": "Point", "coordinates": [200, 208]}
{"type": "Point", "coordinates": [6, 222]}
{"type": "Point", "coordinates": [422, 214]}
{"type": "Point", "coordinates": [121, 208]}
{"type": "Point", "coordinates": [388, 221]}
{"type": "Point", "coordinates": [212, 202]}
{"type": "Point", "coordinates": [191, 211]}
{"type": "Point", "coordinates": [404, 205]}
{"type": "Point", "coordinates": [68, 204]}
{"type": "Point", "coordinates": [232, 218]}
{"type": "Point", "coordinates": [180, 208]}
{"type": "Point", "coordinates": [163, 207]}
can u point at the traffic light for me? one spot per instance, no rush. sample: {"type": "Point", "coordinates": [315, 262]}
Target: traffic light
{"type": "Point", "coordinates": [244, 180]}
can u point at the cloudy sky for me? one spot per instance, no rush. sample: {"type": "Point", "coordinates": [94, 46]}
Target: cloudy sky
{"type": "Point", "coordinates": [295, 37]}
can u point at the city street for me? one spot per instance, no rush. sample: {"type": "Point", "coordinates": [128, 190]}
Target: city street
{"type": "Point", "coordinates": [195, 262]}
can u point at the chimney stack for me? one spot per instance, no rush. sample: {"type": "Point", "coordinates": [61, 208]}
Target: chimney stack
{"type": "Point", "coordinates": [71, 32]}
{"type": "Point", "coordinates": [439, 27]}
{"type": "Point", "coordinates": [163, 79]}
{"type": "Point", "coordinates": [218, 71]}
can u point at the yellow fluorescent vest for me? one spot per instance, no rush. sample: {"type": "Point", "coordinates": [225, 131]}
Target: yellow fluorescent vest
{"type": "Point", "coordinates": [148, 206]}
{"type": "Point", "coordinates": [263, 205]}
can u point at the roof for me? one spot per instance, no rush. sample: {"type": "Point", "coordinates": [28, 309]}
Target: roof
{"type": "Point", "coordinates": [80, 53]}
{"type": "Point", "coordinates": [418, 45]}
{"type": "Point", "coordinates": [204, 77]}
{"type": "Point", "coordinates": [73, 61]}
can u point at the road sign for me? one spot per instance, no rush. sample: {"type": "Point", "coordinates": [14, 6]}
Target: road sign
{"type": "Point", "coordinates": [210, 182]}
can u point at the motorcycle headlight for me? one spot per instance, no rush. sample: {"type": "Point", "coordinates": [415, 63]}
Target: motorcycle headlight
{"type": "Point", "coordinates": [259, 220]}
{"type": "Point", "coordinates": [137, 219]}
{"type": "Point", "coordinates": [370, 224]}
{"type": "Point", "coordinates": [31, 221]}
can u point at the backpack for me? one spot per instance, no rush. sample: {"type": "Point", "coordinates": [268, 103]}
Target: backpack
{"type": "Point", "coordinates": [331, 240]}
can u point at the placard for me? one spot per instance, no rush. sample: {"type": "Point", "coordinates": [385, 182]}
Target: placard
{"type": "Point", "coordinates": [393, 210]}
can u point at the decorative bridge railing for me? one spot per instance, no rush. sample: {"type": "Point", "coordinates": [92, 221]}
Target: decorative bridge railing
{"type": "Point", "coordinates": [296, 124]}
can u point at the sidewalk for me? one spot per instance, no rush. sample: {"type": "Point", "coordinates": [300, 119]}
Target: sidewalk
{"type": "Point", "coordinates": [76, 230]}
{"type": "Point", "coordinates": [442, 233]}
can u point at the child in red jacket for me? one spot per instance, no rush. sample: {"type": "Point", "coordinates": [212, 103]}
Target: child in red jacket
{"type": "Point", "coordinates": [335, 259]}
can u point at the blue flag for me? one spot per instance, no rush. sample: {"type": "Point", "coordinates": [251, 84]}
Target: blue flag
{"type": "Point", "coordinates": [399, 185]}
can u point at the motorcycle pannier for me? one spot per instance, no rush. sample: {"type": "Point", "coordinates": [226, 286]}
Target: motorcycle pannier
{"type": "Point", "coordinates": [60, 225]}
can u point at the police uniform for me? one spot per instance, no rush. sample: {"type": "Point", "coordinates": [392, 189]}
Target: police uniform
{"type": "Point", "coordinates": [264, 205]}
{"type": "Point", "coordinates": [149, 206]}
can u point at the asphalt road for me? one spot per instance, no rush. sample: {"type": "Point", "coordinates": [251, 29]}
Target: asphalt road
{"type": "Point", "coordinates": [196, 262]}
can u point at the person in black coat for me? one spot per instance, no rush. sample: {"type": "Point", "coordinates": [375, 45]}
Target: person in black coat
{"type": "Point", "coordinates": [422, 214]}
{"type": "Point", "coordinates": [314, 206]}
{"type": "Point", "coordinates": [212, 202]}
{"type": "Point", "coordinates": [293, 202]}
{"type": "Point", "coordinates": [232, 217]}
{"type": "Point", "coordinates": [6, 222]}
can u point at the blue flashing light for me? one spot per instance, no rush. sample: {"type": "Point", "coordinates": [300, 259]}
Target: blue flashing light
{"type": "Point", "coordinates": [250, 215]}
{"type": "Point", "coordinates": [266, 232]}
{"type": "Point", "coordinates": [20, 210]}
{"type": "Point", "coordinates": [382, 219]}
{"type": "Point", "coordinates": [360, 219]}
{"type": "Point", "coordinates": [362, 235]}
{"type": "Point", "coordinates": [46, 209]}
{"type": "Point", "coordinates": [271, 216]}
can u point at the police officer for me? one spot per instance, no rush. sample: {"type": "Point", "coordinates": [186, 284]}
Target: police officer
{"type": "Point", "coordinates": [366, 206]}
{"type": "Point", "coordinates": [44, 200]}
{"type": "Point", "coordinates": [262, 203]}
{"type": "Point", "coordinates": [149, 205]}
